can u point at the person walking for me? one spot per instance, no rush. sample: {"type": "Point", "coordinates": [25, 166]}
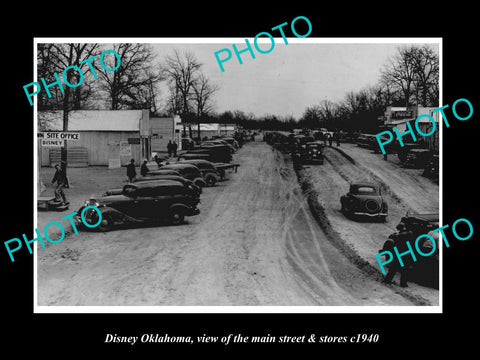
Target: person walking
{"type": "Point", "coordinates": [174, 148]}
{"type": "Point", "coordinates": [169, 148]}
{"type": "Point", "coordinates": [144, 168]}
{"type": "Point", "coordinates": [131, 173]}
{"type": "Point", "coordinates": [61, 179]}
{"type": "Point", "coordinates": [398, 240]}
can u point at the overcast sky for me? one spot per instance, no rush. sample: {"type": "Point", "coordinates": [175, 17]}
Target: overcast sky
{"type": "Point", "coordinates": [290, 77]}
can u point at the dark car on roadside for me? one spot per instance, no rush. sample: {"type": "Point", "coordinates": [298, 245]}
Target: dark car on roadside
{"type": "Point", "coordinates": [431, 169]}
{"type": "Point", "coordinates": [417, 158]}
{"type": "Point", "coordinates": [188, 171]}
{"type": "Point", "coordinates": [162, 171]}
{"type": "Point", "coordinates": [314, 152]}
{"type": "Point", "coordinates": [208, 170]}
{"type": "Point", "coordinates": [196, 190]}
{"type": "Point", "coordinates": [364, 199]}
{"type": "Point", "coordinates": [189, 156]}
{"type": "Point", "coordinates": [218, 153]}
{"type": "Point", "coordinates": [147, 202]}
{"type": "Point", "coordinates": [425, 270]}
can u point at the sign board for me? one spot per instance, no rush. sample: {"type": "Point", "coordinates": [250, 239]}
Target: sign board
{"type": "Point", "coordinates": [59, 135]}
{"type": "Point", "coordinates": [114, 163]}
{"type": "Point", "coordinates": [125, 148]}
{"type": "Point", "coordinates": [402, 114]}
{"type": "Point", "coordinates": [53, 143]}
{"type": "Point", "coordinates": [134, 140]}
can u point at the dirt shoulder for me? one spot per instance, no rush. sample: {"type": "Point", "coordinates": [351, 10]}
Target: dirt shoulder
{"type": "Point", "coordinates": [254, 243]}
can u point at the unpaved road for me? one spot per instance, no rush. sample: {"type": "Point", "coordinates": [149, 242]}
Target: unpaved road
{"type": "Point", "coordinates": [254, 243]}
{"type": "Point", "coordinates": [403, 189]}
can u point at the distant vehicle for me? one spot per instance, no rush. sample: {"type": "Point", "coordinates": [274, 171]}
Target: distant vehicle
{"type": "Point", "coordinates": [365, 199]}
{"type": "Point", "coordinates": [403, 151]}
{"type": "Point", "coordinates": [322, 134]}
{"type": "Point", "coordinates": [417, 158]}
{"type": "Point", "coordinates": [431, 169]}
{"type": "Point", "coordinates": [231, 141]}
{"type": "Point", "coordinates": [218, 153]}
{"type": "Point", "coordinates": [209, 172]}
{"type": "Point", "coordinates": [313, 152]}
{"type": "Point", "coordinates": [188, 171]}
{"type": "Point", "coordinates": [146, 202]}
{"type": "Point", "coordinates": [216, 142]}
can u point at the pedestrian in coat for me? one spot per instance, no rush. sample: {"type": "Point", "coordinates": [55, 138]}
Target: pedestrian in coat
{"type": "Point", "coordinates": [131, 173]}
{"type": "Point", "coordinates": [174, 149]}
{"type": "Point", "coordinates": [144, 168]}
{"type": "Point", "coordinates": [61, 179]}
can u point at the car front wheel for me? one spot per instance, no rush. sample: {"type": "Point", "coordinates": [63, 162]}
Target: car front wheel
{"type": "Point", "coordinates": [177, 217]}
{"type": "Point", "coordinates": [210, 181]}
{"type": "Point", "coordinates": [106, 224]}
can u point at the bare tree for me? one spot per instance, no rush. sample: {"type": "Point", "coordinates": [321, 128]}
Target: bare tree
{"type": "Point", "coordinates": [426, 69]}
{"type": "Point", "coordinates": [181, 70]}
{"type": "Point", "coordinates": [203, 91]}
{"type": "Point", "coordinates": [133, 84]}
{"type": "Point", "coordinates": [400, 72]}
{"type": "Point", "coordinates": [55, 58]}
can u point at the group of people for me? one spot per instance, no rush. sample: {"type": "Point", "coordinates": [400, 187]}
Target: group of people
{"type": "Point", "coordinates": [132, 173]}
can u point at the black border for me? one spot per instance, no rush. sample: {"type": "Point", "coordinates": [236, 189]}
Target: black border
{"type": "Point", "coordinates": [84, 333]}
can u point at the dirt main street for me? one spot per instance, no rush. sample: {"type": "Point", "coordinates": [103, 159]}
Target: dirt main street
{"type": "Point", "coordinates": [254, 243]}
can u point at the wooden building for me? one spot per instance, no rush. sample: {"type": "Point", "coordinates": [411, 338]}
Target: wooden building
{"type": "Point", "coordinates": [106, 137]}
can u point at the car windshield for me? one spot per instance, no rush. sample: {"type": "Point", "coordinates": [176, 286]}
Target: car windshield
{"type": "Point", "coordinates": [364, 190]}
{"type": "Point", "coordinates": [129, 191]}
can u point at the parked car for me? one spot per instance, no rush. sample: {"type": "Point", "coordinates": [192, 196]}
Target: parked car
{"type": "Point", "coordinates": [196, 190]}
{"type": "Point", "coordinates": [231, 141]}
{"type": "Point", "coordinates": [431, 169]}
{"type": "Point", "coordinates": [188, 156]}
{"type": "Point", "coordinates": [209, 172]}
{"type": "Point", "coordinates": [365, 199]}
{"type": "Point", "coordinates": [210, 143]}
{"type": "Point", "coordinates": [425, 270]}
{"type": "Point", "coordinates": [218, 153]}
{"type": "Point", "coordinates": [314, 152]}
{"type": "Point", "coordinates": [417, 158]}
{"type": "Point", "coordinates": [145, 202]}
{"type": "Point", "coordinates": [162, 171]}
{"type": "Point", "coordinates": [188, 171]}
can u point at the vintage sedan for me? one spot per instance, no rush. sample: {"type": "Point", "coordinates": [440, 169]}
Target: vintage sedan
{"type": "Point", "coordinates": [209, 172]}
{"type": "Point", "coordinates": [188, 171]}
{"type": "Point", "coordinates": [364, 199]}
{"type": "Point", "coordinates": [146, 202]}
{"type": "Point", "coordinates": [196, 190]}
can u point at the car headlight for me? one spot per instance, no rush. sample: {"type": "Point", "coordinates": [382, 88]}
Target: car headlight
{"type": "Point", "coordinates": [92, 202]}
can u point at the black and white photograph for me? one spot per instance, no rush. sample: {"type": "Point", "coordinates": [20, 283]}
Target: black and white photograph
{"type": "Point", "coordinates": [254, 186]}
{"type": "Point", "coordinates": [196, 179]}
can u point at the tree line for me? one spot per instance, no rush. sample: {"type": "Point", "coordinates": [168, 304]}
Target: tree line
{"type": "Point", "coordinates": [410, 77]}
{"type": "Point", "coordinates": [134, 85]}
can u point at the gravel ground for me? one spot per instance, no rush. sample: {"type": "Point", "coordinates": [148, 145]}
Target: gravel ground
{"type": "Point", "coordinates": [254, 243]}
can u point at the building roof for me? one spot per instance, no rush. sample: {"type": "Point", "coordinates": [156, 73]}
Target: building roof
{"type": "Point", "coordinates": [91, 120]}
